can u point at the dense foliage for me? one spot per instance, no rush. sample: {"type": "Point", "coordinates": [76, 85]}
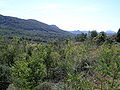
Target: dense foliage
{"type": "Point", "coordinates": [37, 56]}
{"type": "Point", "coordinates": [93, 63]}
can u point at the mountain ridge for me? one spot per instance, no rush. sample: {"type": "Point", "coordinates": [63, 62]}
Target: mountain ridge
{"type": "Point", "coordinates": [14, 26]}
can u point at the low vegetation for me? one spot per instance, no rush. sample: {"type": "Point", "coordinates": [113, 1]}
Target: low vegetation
{"type": "Point", "coordinates": [89, 62]}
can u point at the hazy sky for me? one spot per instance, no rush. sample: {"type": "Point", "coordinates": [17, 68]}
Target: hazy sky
{"type": "Point", "coordinates": [67, 14]}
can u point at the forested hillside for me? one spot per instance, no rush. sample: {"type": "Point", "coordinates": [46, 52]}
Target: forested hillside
{"type": "Point", "coordinates": [31, 29]}
{"type": "Point", "coordinates": [90, 62]}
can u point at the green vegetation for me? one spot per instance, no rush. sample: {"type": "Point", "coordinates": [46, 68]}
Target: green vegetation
{"type": "Point", "coordinates": [118, 36]}
{"type": "Point", "coordinates": [81, 37]}
{"type": "Point", "coordinates": [36, 56]}
{"type": "Point", "coordinates": [91, 63]}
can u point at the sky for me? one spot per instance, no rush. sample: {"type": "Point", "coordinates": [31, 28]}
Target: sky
{"type": "Point", "coordinates": [100, 15]}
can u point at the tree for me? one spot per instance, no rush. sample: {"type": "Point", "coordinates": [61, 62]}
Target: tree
{"type": "Point", "coordinates": [118, 36]}
{"type": "Point", "coordinates": [4, 77]}
{"type": "Point", "coordinates": [27, 73]}
{"type": "Point", "coordinates": [93, 34]}
{"type": "Point", "coordinates": [81, 37]}
{"type": "Point", "coordinates": [101, 37]}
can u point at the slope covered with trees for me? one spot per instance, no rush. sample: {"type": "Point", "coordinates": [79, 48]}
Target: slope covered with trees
{"type": "Point", "coordinates": [31, 29]}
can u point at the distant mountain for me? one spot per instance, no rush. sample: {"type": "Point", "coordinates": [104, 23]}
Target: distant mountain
{"type": "Point", "coordinates": [78, 32]}
{"type": "Point", "coordinates": [110, 32]}
{"type": "Point", "coordinates": [30, 29]}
